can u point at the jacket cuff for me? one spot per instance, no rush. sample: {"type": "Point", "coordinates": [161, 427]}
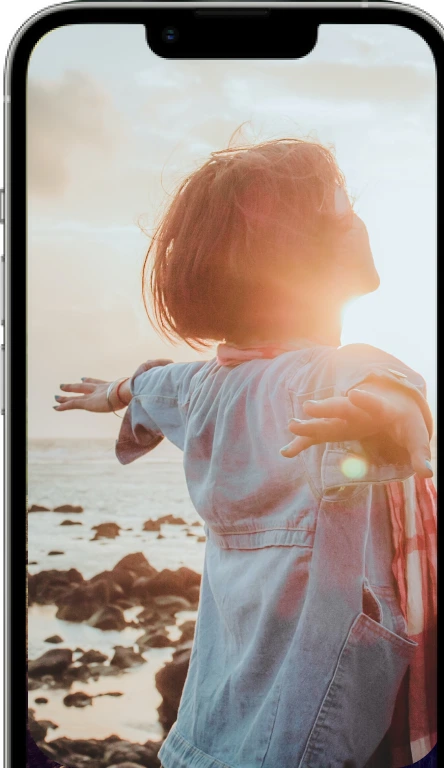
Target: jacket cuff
{"type": "Point", "coordinates": [138, 433]}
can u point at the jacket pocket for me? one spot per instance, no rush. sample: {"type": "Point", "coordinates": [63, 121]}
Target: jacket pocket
{"type": "Point", "coordinates": [358, 706]}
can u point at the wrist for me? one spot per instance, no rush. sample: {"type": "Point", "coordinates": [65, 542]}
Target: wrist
{"type": "Point", "coordinates": [119, 395]}
{"type": "Point", "coordinates": [123, 392]}
{"type": "Point", "coordinates": [402, 393]}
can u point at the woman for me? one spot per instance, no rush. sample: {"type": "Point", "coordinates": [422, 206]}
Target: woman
{"type": "Point", "coordinates": [301, 645]}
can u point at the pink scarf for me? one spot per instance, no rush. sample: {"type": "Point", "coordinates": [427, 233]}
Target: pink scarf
{"type": "Point", "coordinates": [231, 354]}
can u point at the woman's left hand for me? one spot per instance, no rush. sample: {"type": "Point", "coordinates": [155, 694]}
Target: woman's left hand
{"type": "Point", "coordinates": [363, 413]}
{"type": "Point", "coordinates": [93, 398]}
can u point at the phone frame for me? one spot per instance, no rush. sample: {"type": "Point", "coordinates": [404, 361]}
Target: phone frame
{"type": "Point", "coordinates": [15, 289]}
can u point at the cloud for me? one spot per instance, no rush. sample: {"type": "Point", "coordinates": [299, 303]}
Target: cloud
{"type": "Point", "coordinates": [66, 118]}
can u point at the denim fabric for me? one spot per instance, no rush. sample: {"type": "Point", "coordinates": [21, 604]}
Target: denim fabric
{"type": "Point", "coordinates": [300, 645]}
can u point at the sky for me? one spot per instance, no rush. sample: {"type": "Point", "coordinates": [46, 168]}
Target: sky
{"type": "Point", "coordinates": [112, 129]}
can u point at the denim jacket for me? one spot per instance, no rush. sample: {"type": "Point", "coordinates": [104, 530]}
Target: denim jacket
{"type": "Point", "coordinates": [300, 646]}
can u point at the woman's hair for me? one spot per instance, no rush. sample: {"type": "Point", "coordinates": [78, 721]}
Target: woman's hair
{"type": "Point", "coordinates": [239, 234]}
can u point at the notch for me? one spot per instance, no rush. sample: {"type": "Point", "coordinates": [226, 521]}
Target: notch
{"type": "Point", "coordinates": [242, 33]}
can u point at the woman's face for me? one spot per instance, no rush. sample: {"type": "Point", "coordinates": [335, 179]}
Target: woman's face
{"type": "Point", "coordinates": [355, 260]}
{"type": "Point", "coordinates": [353, 264]}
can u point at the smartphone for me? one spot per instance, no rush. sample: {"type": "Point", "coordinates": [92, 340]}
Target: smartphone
{"type": "Point", "coordinates": [192, 162]}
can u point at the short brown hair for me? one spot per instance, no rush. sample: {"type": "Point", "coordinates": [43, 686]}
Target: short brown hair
{"type": "Point", "coordinates": [238, 232]}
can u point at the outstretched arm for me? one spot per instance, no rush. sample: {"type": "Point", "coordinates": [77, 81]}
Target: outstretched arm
{"type": "Point", "coordinates": [100, 396]}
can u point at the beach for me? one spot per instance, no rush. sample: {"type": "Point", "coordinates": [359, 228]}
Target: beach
{"type": "Point", "coordinates": [87, 475]}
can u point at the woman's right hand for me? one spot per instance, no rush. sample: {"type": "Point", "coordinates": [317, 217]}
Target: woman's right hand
{"type": "Point", "coordinates": [374, 409]}
{"type": "Point", "coordinates": [93, 397]}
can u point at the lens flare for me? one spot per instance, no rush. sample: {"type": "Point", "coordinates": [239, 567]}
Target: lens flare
{"type": "Point", "coordinates": [354, 468]}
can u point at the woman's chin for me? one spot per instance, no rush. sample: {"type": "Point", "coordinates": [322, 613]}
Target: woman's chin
{"type": "Point", "coordinates": [374, 281]}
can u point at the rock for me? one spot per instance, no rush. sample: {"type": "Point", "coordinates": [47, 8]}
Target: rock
{"type": "Point", "coordinates": [93, 657]}
{"type": "Point", "coordinates": [191, 534]}
{"type": "Point", "coordinates": [136, 562]}
{"type": "Point", "coordinates": [153, 640]}
{"type": "Point", "coordinates": [53, 662]}
{"type": "Point", "coordinates": [201, 538]}
{"type": "Point", "coordinates": [77, 699]}
{"type": "Point", "coordinates": [182, 649]}
{"type": "Point", "coordinates": [125, 752]}
{"type": "Point", "coordinates": [86, 599]}
{"type": "Point", "coordinates": [92, 748]}
{"type": "Point", "coordinates": [147, 617]}
{"type": "Point", "coordinates": [54, 639]}
{"type": "Point", "coordinates": [102, 670]}
{"type": "Point", "coordinates": [110, 617]}
{"type": "Point", "coordinates": [160, 536]}
{"type": "Point", "coordinates": [41, 700]}
{"type": "Point", "coordinates": [125, 604]}
{"type": "Point", "coordinates": [193, 594]}
{"type": "Point", "coordinates": [189, 578]}
{"type": "Point", "coordinates": [131, 568]}
{"type": "Point", "coordinates": [69, 508]}
{"type": "Point", "coordinates": [34, 684]}
{"type": "Point", "coordinates": [36, 758]}
{"type": "Point", "coordinates": [56, 552]}
{"type": "Point", "coordinates": [171, 603]}
{"type": "Point", "coordinates": [47, 586]}
{"type": "Point", "coordinates": [71, 522]}
{"type": "Point", "coordinates": [140, 589]}
{"type": "Point", "coordinates": [187, 629]}
{"type": "Point", "coordinates": [79, 650]}
{"type": "Point", "coordinates": [81, 672]}
{"type": "Point", "coordinates": [81, 761]}
{"type": "Point", "coordinates": [126, 657]}
{"type": "Point", "coordinates": [118, 582]}
{"type": "Point", "coordinates": [151, 525]}
{"type": "Point", "coordinates": [33, 562]}
{"type": "Point", "coordinates": [196, 522]}
{"type": "Point", "coordinates": [106, 530]}
{"type": "Point", "coordinates": [126, 765]}
{"type": "Point", "coordinates": [79, 604]}
{"type": "Point", "coordinates": [39, 728]}
{"type": "Point", "coordinates": [171, 520]}
{"type": "Point", "coordinates": [109, 693]}
{"type": "Point", "coordinates": [166, 582]}
{"type": "Point", "coordinates": [38, 508]}
{"type": "Point", "coordinates": [170, 680]}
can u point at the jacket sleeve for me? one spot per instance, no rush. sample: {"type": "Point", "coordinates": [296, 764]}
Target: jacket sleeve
{"type": "Point", "coordinates": [161, 390]}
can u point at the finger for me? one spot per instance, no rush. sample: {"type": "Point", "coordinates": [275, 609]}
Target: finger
{"type": "Point", "coordinates": [71, 404]}
{"type": "Point", "coordinates": [87, 380]}
{"type": "Point", "coordinates": [81, 388]}
{"type": "Point", "coordinates": [418, 446]}
{"type": "Point", "coordinates": [323, 430]}
{"type": "Point", "coordinates": [296, 446]}
{"type": "Point", "coordinates": [377, 406]}
{"type": "Point", "coordinates": [62, 399]}
{"type": "Point", "coordinates": [332, 407]}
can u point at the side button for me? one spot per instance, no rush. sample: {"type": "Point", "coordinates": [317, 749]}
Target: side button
{"type": "Point", "coordinates": [2, 206]}
{"type": "Point", "coordinates": [2, 378]}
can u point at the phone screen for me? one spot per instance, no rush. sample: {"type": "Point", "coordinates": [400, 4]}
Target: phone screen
{"type": "Point", "coordinates": [113, 130]}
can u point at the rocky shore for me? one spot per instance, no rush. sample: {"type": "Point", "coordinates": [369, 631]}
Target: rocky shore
{"type": "Point", "coordinates": [101, 602]}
